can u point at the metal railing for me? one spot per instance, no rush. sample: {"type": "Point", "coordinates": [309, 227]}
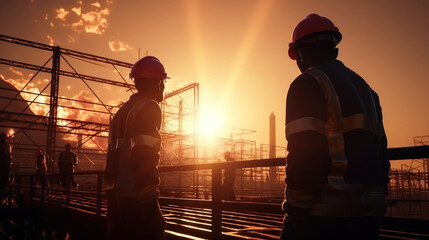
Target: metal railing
{"type": "Point", "coordinates": [215, 204]}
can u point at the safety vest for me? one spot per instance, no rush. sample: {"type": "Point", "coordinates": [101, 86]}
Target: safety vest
{"type": "Point", "coordinates": [122, 139]}
{"type": "Point", "coordinates": [337, 198]}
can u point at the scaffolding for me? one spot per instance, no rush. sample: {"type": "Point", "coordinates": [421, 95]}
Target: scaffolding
{"type": "Point", "coordinates": [411, 182]}
{"type": "Point", "coordinates": [47, 119]}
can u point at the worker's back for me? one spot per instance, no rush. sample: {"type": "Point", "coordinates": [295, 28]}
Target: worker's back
{"type": "Point", "coordinates": [364, 148]}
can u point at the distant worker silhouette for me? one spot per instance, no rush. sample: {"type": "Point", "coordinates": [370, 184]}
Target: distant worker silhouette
{"type": "Point", "coordinates": [337, 168]}
{"type": "Point", "coordinates": [132, 176]}
{"type": "Point", "coordinates": [41, 167]}
{"type": "Point", "coordinates": [228, 179]}
{"type": "Point", "coordinates": [66, 162]}
{"type": "Point", "coordinates": [5, 166]}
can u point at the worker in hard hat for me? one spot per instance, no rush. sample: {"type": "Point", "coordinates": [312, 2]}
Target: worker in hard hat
{"type": "Point", "coordinates": [5, 166]}
{"type": "Point", "coordinates": [134, 144]}
{"type": "Point", "coordinates": [41, 167]}
{"type": "Point", "coordinates": [337, 167]}
{"type": "Point", "coordinates": [66, 163]}
{"type": "Point", "coordinates": [228, 179]}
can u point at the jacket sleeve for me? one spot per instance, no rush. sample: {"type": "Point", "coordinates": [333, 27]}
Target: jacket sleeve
{"type": "Point", "coordinates": [308, 161]}
{"type": "Point", "coordinates": [383, 158]}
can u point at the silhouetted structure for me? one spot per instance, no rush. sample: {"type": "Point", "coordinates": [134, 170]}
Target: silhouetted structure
{"type": "Point", "coordinates": [5, 163]}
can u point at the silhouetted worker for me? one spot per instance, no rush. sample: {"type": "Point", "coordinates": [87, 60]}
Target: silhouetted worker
{"type": "Point", "coordinates": [228, 179]}
{"type": "Point", "coordinates": [65, 163]}
{"type": "Point", "coordinates": [337, 168]}
{"type": "Point", "coordinates": [5, 165]}
{"type": "Point", "coordinates": [132, 176]}
{"type": "Point", "coordinates": [41, 167]}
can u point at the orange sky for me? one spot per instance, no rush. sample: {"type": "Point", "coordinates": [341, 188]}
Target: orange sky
{"type": "Point", "coordinates": [237, 50]}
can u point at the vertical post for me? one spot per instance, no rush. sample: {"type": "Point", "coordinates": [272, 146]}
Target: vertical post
{"type": "Point", "coordinates": [196, 134]}
{"type": "Point", "coordinates": [68, 183]}
{"type": "Point", "coordinates": [99, 187]}
{"type": "Point", "coordinates": [180, 153]}
{"type": "Point", "coordinates": [53, 105]}
{"type": "Point", "coordinates": [42, 181]}
{"type": "Point", "coordinates": [31, 189]}
{"type": "Point", "coordinates": [216, 203]}
{"type": "Point", "coordinates": [19, 185]}
{"type": "Point", "coordinates": [272, 154]}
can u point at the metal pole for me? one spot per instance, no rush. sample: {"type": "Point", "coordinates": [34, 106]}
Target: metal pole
{"type": "Point", "coordinates": [31, 189]}
{"type": "Point", "coordinates": [216, 203]}
{"type": "Point", "coordinates": [180, 153]}
{"type": "Point", "coordinates": [99, 186]}
{"type": "Point", "coordinates": [53, 106]}
{"type": "Point", "coordinates": [68, 183]}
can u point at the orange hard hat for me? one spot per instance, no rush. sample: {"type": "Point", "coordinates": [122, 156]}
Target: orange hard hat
{"type": "Point", "coordinates": [148, 67]}
{"type": "Point", "coordinates": [313, 23]}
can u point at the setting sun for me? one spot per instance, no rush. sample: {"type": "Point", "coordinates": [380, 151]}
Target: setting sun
{"type": "Point", "coordinates": [211, 121]}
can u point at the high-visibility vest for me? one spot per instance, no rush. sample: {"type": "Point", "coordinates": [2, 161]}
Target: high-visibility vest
{"type": "Point", "coordinates": [122, 139]}
{"type": "Point", "coordinates": [337, 197]}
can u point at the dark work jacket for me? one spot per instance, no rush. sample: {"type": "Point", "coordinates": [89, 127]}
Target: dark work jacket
{"type": "Point", "coordinates": [335, 164]}
{"type": "Point", "coordinates": [134, 168]}
{"type": "Point", "coordinates": [66, 161]}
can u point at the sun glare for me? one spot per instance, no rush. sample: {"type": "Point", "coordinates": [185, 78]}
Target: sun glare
{"type": "Point", "coordinates": [210, 122]}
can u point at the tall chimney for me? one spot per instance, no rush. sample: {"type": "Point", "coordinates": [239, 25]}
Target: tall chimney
{"type": "Point", "coordinates": [272, 136]}
{"type": "Point", "coordinates": [273, 172]}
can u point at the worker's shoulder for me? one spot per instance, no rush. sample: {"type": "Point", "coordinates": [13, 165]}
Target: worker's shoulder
{"type": "Point", "coordinates": [304, 82]}
{"type": "Point", "coordinates": [147, 105]}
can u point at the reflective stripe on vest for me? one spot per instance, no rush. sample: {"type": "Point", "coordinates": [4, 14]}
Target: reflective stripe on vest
{"type": "Point", "coordinates": [126, 144]}
{"type": "Point", "coordinates": [357, 121]}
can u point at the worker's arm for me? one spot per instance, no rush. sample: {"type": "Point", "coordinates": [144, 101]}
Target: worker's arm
{"type": "Point", "coordinates": [146, 145]}
{"type": "Point", "coordinates": [384, 161]}
{"type": "Point", "coordinates": [308, 161]}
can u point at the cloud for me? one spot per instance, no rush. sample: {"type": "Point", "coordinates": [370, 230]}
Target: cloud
{"type": "Point", "coordinates": [119, 46]}
{"type": "Point", "coordinates": [61, 14]}
{"type": "Point", "coordinates": [96, 4]}
{"type": "Point", "coordinates": [96, 21]}
{"type": "Point", "coordinates": [93, 21]}
{"type": "Point", "coordinates": [71, 38]}
{"type": "Point", "coordinates": [19, 73]}
{"type": "Point", "coordinates": [77, 10]}
{"type": "Point", "coordinates": [51, 40]}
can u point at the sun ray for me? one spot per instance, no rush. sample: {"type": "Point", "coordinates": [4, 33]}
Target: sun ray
{"type": "Point", "coordinates": [261, 13]}
{"type": "Point", "coordinates": [194, 26]}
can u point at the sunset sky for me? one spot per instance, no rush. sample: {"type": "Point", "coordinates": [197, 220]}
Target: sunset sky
{"type": "Point", "coordinates": [237, 50]}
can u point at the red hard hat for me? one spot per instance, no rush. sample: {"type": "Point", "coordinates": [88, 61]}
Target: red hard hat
{"type": "Point", "coordinates": [38, 153]}
{"type": "Point", "coordinates": [148, 67]}
{"type": "Point", "coordinates": [313, 23]}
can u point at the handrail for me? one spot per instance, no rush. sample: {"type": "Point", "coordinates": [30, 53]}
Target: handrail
{"type": "Point", "coordinates": [216, 203]}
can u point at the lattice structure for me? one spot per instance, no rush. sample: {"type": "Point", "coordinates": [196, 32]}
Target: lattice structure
{"type": "Point", "coordinates": [412, 181]}
{"type": "Point", "coordinates": [41, 123]}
